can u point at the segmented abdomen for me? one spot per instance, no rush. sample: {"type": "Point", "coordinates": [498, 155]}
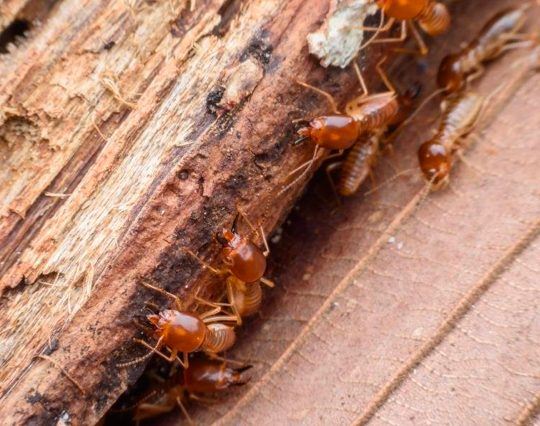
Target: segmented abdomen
{"type": "Point", "coordinates": [358, 164]}
{"type": "Point", "coordinates": [461, 114]}
{"type": "Point", "coordinates": [375, 112]}
{"type": "Point", "coordinates": [219, 338]}
{"type": "Point", "coordinates": [434, 18]}
{"type": "Point", "coordinates": [251, 300]}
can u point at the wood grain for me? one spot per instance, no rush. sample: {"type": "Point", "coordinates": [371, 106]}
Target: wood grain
{"type": "Point", "coordinates": [117, 153]}
{"type": "Point", "coordinates": [353, 330]}
{"type": "Point", "coordinates": [407, 314]}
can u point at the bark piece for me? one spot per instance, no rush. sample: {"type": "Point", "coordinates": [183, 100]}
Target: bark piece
{"type": "Point", "coordinates": [339, 39]}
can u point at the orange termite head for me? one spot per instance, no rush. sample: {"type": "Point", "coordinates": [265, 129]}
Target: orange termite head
{"type": "Point", "coordinates": [435, 163]}
{"type": "Point", "coordinates": [245, 260]}
{"type": "Point", "coordinates": [154, 319]}
{"type": "Point", "coordinates": [180, 331]}
{"type": "Point", "coordinates": [450, 75]}
{"type": "Point", "coordinates": [332, 131]}
{"type": "Point", "coordinates": [402, 9]}
{"type": "Point", "coordinates": [161, 322]}
{"type": "Point", "coordinates": [204, 376]}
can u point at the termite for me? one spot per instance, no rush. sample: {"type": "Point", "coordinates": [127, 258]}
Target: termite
{"type": "Point", "coordinates": [184, 332]}
{"type": "Point", "coordinates": [245, 266]}
{"type": "Point", "coordinates": [500, 33]}
{"type": "Point", "coordinates": [435, 155]}
{"type": "Point", "coordinates": [201, 377]}
{"type": "Point", "coordinates": [364, 113]}
{"type": "Point", "coordinates": [360, 159]}
{"type": "Point", "coordinates": [432, 16]}
{"type": "Point", "coordinates": [357, 165]}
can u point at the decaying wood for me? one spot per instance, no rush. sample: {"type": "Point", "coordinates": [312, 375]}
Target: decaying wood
{"type": "Point", "coordinates": [403, 314]}
{"type": "Point", "coordinates": [128, 131]}
{"type": "Point", "coordinates": [132, 129]}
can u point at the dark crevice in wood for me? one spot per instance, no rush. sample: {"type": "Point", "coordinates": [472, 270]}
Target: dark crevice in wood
{"type": "Point", "coordinates": [227, 11]}
{"type": "Point", "coordinates": [33, 14]}
{"type": "Point", "coordinates": [13, 33]}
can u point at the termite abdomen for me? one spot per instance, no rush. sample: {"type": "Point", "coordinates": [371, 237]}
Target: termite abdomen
{"type": "Point", "coordinates": [434, 18]}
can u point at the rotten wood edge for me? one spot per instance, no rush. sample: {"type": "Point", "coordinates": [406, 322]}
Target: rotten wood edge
{"type": "Point", "coordinates": [248, 150]}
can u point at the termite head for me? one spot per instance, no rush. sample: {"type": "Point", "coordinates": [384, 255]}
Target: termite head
{"type": "Point", "coordinates": [435, 163]}
{"type": "Point", "coordinates": [332, 131]}
{"type": "Point", "coordinates": [450, 75]}
{"type": "Point", "coordinates": [179, 331]}
{"type": "Point", "coordinates": [245, 260]}
{"type": "Point", "coordinates": [402, 9]}
{"type": "Point", "coordinates": [204, 376]}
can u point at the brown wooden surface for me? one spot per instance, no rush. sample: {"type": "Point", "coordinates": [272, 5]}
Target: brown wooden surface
{"type": "Point", "coordinates": [404, 314]}
{"type": "Point", "coordinates": [113, 159]}
{"type": "Point", "coordinates": [382, 309]}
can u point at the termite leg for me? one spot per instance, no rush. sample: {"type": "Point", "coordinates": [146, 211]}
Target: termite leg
{"type": "Point", "coordinates": [230, 296]}
{"type": "Point", "coordinates": [267, 282]}
{"type": "Point", "coordinates": [265, 242]}
{"type": "Point", "coordinates": [175, 298]}
{"type": "Point", "coordinates": [477, 73]}
{"type": "Point", "coordinates": [184, 362]}
{"type": "Point", "coordinates": [209, 303]}
{"type": "Point", "coordinates": [423, 49]}
{"type": "Point", "coordinates": [360, 79]}
{"type": "Point", "coordinates": [217, 357]}
{"type": "Point", "coordinates": [330, 168]}
{"type": "Point", "coordinates": [206, 265]}
{"type": "Point", "coordinates": [377, 30]}
{"type": "Point", "coordinates": [384, 76]}
{"type": "Point", "coordinates": [211, 313]}
{"type": "Point", "coordinates": [382, 26]}
{"type": "Point", "coordinates": [217, 307]}
{"type": "Point", "coordinates": [365, 97]}
{"type": "Point", "coordinates": [202, 400]}
{"type": "Point", "coordinates": [402, 36]}
{"type": "Point", "coordinates": [219, 318]}
{"type": "Point", "coordinates": [328, 96]}
{"type": "Point", "coordinates": [184, 411]}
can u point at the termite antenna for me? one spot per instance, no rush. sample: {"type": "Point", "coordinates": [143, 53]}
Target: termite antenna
{"type": "Point", "coordinates": [299, 140]}
{"type": "Point", "coordinates": [306, 166]}
{"type": "Point", "coordinates": [381, 28]}
{"type": "Point", "coordinates": [143, 358]}
{"type": "Point", "coordinates": [390, 180]}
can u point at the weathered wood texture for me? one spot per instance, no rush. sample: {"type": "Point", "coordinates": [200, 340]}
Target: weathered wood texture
{"type": "Point", "coordinates": [112, 162]}
{"type": "Point", "coordinates": [406, 314]}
